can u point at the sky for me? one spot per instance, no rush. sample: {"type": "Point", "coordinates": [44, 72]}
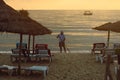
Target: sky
{"type": "Point", "coordinates": [65, 4]}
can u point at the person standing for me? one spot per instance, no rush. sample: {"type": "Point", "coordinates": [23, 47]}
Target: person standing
{"type": "Point", "coordinates": [61, 38]}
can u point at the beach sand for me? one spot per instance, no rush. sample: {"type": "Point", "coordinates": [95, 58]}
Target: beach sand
{"type": "Point", "coordinates": [65, 67]}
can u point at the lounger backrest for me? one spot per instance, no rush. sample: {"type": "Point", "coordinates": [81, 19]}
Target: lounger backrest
{"type": "Point", "coordinates": [15, 51]}
{"type": "Point", "coordinates": [42, 49]}
{"type": "Point", "coordinates": [98, 45]}
{"type": "Point", "coordinates": [41, 46]}
{"type": "Point", "coordinates": [24, 45]}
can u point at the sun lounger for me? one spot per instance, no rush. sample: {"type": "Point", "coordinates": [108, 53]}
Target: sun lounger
{"type": "Point", "coordinates": [24, 45]}
{"type": "Point", "coordinates": [3, 68]}
{"type": "Point", "coordinates": [23, 48]}
{"type": "Point", "coordinates": [10, 69]}
{"type": "Point", "coordinates": [42, 51]}
{"type": "Point", "coordinates": [108, 51]}
{"type": "Point", "coordinates": [15, 52]}
{"type": "Point", "coordinates": [15, 56]}
{"type": "Point", "coordinates": [42, 47]}
{"type": "Point", "coordinates": [43, 54]}
{"type": "Point", "coordinates": [44, 69]}
{"type": "Point", "coordinates": [98, 48]}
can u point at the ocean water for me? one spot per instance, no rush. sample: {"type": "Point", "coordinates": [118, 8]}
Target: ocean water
{"type": "Point", "coordinates": [77, 27]}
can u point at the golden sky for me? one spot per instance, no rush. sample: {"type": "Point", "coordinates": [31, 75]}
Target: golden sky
{"type": "Point", "coordinates": [65, 4]}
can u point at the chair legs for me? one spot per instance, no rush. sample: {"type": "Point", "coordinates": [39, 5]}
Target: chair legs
{"type": "Point", "coordinates": [100, 58]}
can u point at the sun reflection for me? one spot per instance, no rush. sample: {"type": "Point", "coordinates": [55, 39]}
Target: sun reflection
{"type": "Point", "coordinates": [81, 34]}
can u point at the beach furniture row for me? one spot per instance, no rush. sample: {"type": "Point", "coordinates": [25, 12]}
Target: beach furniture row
{"type": "Point", "coordinates": [41, 51]}
{"type": "Point", "coordinates": [103, 51]}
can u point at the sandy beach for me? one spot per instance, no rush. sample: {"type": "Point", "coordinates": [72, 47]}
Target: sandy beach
{"type": "Point", "coordinates": [64, 67]}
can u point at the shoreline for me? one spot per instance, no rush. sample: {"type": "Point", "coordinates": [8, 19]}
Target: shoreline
{"type": "Point", "coordinates": [80, 51]}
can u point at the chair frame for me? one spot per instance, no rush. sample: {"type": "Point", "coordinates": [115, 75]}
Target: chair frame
{"type": "Point", "coordinates": [43, 53]}
{"type": "Point", "coordinates": [44, 69]}
{"type": "Point", "coordinates": [99, 47]}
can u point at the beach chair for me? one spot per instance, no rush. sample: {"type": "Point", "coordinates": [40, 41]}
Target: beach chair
{"type": "Point", "coordinates": [41, 46]}
{"type": "Point", "coordinates": [15, 52]}
{"type": "Point", "coordinates": [9, 69]}
{"type": "Point", "coordinates": [42, 51]}
{"type": "Point", "coordinates": [44, 69]}
{"type": "Point", "coordinates": [14, 57]}
{"type": "Point", "coordinates": [2, 68]}
{"type": "Point", "coordinates": [24, 48]}
{"type": "Point", "coordinates": [98, 48]}
{"type": "Point", "coordinates": [24, 45]}
{"type": "Point", "coordinates": [109, 51]}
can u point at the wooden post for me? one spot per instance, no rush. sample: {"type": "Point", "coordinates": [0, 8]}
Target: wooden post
{"type": "Point", "coordinates": [28, 49]}
{"type": "Point", "coordinates": [108, 40]}
{"type": "Point", "coordinates": [20, 51]}
{"type": "Point", "coordinates": [29, 43]}
{"type": "Point", "coordinates": [33, 43]}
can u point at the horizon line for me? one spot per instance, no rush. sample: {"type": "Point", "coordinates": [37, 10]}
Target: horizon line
{"type": "Point", "coordinates": [69, 9]}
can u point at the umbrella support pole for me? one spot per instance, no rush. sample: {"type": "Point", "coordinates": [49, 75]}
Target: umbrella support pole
{"type": "Point", "coordinates": [19, 63]}
{"type": "Point", "coordinates": [108, 40]}
{"type": "Point", "coordinates": [33, 43]}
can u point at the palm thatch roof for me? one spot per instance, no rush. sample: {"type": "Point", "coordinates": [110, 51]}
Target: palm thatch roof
{"type": "Point", "coordinates": [116, 26]}
{"type": "Point", "coordinates": [14, 22]}
{"type": "Point", "coordinates": [104, 27]}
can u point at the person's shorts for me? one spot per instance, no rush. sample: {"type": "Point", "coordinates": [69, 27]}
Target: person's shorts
{"type": "Point", "coordinates": [61, 44]}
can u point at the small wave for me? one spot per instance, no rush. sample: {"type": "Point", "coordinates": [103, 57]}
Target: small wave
{"type": "Point", "coordinates": [80, 51]}
{"type": "Point", "coordinates": [81, 34]}
{"type": "Point", "coordinates": [7, 52]}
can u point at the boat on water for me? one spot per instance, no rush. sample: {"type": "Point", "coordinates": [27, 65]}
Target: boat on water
{"type": "Point", "coordinates": [88, 13]}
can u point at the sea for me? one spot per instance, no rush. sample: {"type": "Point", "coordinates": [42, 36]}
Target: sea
{"type": "Point", "coordinates": [77, 28]}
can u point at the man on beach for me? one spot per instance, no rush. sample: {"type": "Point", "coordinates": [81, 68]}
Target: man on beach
{"type": "Point", "coordinates": [61, 38]}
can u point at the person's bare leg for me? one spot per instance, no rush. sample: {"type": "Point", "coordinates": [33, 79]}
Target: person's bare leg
{"type": "Point", "coordinates": [64, 49]}
{"type": "Point", "coordinates": [60, 49]}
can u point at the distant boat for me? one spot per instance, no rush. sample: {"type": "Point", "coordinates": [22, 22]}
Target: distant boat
{"type": "Point", "coordinates": [88, 13]}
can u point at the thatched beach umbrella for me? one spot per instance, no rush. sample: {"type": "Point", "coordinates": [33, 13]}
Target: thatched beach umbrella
{"type": "Point", "coordinates": [105, 27]}
{"type": "Point", "coordinates": [14, 22]}
{"type": "Point", "coordinates": [115, 27]}
{"type": "Point", "coordinates": [33, 27]}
